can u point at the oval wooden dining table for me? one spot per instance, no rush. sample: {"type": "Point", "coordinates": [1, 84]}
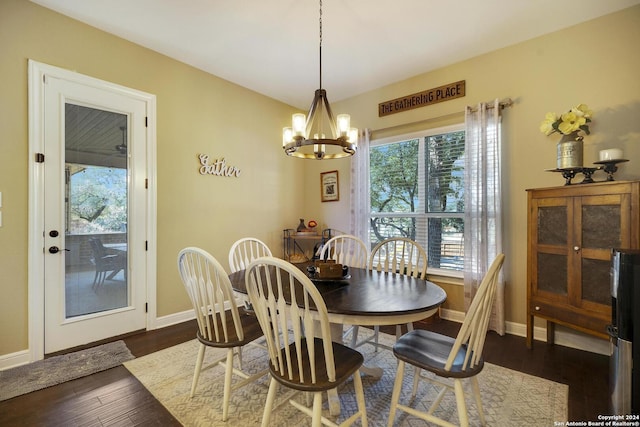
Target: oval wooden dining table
{"type": "Point", "coordinates": [369, 298]}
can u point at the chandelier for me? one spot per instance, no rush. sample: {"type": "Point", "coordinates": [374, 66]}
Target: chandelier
{"type": "Point", "coordinates": [307, 136]}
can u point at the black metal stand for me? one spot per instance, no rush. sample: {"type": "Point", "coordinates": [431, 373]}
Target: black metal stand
{"type": "Point", "coordinates": [588, 172]}
{"type": "Point", "coordinates": [569, 173]}
{"type": "Point", "coordinates": [610, 166]}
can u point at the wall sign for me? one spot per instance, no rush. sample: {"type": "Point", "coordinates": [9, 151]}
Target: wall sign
{"type": "Point", "coordinates": [421, 99]}
{"type": "Point", "coordinates": [329, 186]}
{"type": "Point", "coordinates": [217, 167]}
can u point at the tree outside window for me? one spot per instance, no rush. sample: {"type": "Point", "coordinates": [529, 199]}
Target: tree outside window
{"type": "Point", "coordinates": [417, 191]}
{"type": "Point", "coordinates": [97, 199]}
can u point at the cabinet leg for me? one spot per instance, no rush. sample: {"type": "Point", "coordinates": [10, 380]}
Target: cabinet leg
{"type": "Point", "coordinates": [529, 332]}
{"type": "Point", "coordinates": [551, 332]}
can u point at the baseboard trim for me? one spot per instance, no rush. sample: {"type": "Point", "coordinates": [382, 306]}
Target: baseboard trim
{"type": "Point", "coordinates": [564, 336]}
{"type": "Point", "coordinates": [174, 319]}
{"type": "Point", "coordinates": [13, 360]}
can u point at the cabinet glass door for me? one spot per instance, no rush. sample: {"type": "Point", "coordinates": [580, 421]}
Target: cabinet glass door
{"type": "Point", "coordinates": [597, 242]}
{"type": "Point", "coordinates": [552, 267]}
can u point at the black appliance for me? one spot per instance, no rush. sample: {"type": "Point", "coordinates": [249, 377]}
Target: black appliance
{"type": "Point", "coordinates": [624, 332]}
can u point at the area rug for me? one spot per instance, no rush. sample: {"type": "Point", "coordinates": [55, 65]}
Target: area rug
{"type": "Point", "coordinates": [58, 369]}
{"type": "Point", "coordinates": [509, 397]}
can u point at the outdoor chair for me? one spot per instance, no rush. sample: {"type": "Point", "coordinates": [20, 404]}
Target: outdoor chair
{"type": "Point", "coordinates": [107, 264]}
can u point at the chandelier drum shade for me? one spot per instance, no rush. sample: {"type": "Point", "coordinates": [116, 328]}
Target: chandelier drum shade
{"type": "Point", "coordinates": [308, 137]}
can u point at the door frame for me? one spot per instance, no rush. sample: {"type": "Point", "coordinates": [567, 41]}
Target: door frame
{"type": "Point", "coordinates": [38, 73]}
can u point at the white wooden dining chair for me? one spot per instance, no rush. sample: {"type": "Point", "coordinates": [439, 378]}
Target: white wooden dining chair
{"type": "Point", "coordinates": [399, 255]}
{"type": "Point", "coordinates": [396, 255]}
{"type": "Point", "coordinates": [242, 252]}
{"type": "Point", "coordinates": [346, 249]}
{"type": "Point", "coordinates": [446, 357]}
{"type": "Point", "coordinates": [302, 355]}
{"type": "Point", "coordinates": [350, 250]}
{"type": "Point", "coordinates": [245, 250]}
{"type": "Point", "coordinates": [221, 323]}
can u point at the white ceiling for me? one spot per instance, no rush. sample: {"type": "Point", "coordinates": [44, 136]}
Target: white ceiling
{"type": "Point", "coordinates": [271, 46]}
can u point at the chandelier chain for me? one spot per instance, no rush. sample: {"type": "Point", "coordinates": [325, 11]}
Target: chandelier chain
{"type": "Point", "coordinates": [320, 21]}
{"type": "Point", "coordinates": [320, 47]}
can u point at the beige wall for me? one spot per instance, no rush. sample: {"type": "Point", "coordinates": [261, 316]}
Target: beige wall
{"type": "Point", "coordinates": [196, 113]}
{"type": "Point", "coordinates": [596, 63]}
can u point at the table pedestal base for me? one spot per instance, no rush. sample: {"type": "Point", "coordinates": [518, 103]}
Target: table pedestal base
{"type": "Point", "coordinates": [373, 371]}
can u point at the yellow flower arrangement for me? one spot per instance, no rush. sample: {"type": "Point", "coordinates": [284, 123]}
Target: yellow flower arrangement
{"type": "Point", "coordinates": [576, 119]}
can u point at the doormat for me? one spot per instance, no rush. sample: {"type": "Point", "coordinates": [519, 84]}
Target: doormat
{"type": "Point", "coordinates": [58, 369]}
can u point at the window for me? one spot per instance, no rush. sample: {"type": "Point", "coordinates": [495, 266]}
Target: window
{"type": "Point", "coordinates": [417, 191]}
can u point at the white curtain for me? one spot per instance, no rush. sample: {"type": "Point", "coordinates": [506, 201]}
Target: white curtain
{"type": "Point", "coordinates": [483, 203]}
{"type": "Point", "coordinates": [360, 200]}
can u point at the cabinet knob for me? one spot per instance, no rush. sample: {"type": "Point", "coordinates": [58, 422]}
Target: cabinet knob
{"type": "Point", "coordinates": [537, 308]}
{"type": "Point", "coordinates": [576, 248]}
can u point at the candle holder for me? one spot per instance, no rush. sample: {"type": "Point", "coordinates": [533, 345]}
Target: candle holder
{"type": "Point", "coordinates": [610, 167]}
{"type": "Point", "coordinates": [569, 173]}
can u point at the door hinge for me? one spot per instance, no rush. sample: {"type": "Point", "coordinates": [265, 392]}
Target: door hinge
{"type": "Point", "coordinates": [146, 307]}
{"type": "Point", "coordinates": [146, 245]}
{"type": "Point", "coordinates": [39, 158]}
{"type": "Point", "coordinates": [146, 183]}
{"type": "Point", "coordinates": [146, 122]}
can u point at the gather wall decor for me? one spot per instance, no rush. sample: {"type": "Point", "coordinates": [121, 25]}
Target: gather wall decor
{"type": "Point", "coordinates": [430, 96]}
{"type": "Point", "coordinates": [217, 167]}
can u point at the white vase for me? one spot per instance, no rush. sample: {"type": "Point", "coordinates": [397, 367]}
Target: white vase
{"type": "Point", "coordinates": [570, 151]}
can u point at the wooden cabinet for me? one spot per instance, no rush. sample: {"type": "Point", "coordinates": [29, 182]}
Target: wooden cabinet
{"type": "Point", "coordinates": [571, 231]}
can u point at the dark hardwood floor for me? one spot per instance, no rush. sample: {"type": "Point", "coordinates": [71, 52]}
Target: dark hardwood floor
{"type": "Point", "coordinates": [115, 398]}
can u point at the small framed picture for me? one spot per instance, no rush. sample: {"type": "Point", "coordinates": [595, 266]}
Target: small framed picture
{"type": "Point", "coordinates": [329, 188]}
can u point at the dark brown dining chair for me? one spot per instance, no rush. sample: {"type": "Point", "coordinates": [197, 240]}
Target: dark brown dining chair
{"type": "Point", "coordinates": [449, 358]}
{"type": "Point", "coordinates": [221, 323]}
{"type": "Point", "coordinates": [302, 355]}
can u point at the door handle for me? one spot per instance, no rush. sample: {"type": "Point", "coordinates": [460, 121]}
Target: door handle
{"type": "Point", "coordinates": [55, 250]}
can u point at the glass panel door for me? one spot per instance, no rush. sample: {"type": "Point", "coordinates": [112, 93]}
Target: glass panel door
{"type": "Point", "coordinates": [96, 210]}
{"type": "Point", "coordinates": [93, 208]}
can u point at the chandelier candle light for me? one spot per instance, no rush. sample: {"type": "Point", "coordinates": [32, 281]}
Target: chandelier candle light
{"type": "Point", "coordinates": [310, 131]}
{"type": "Point", "coordinates": [569, 124]}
